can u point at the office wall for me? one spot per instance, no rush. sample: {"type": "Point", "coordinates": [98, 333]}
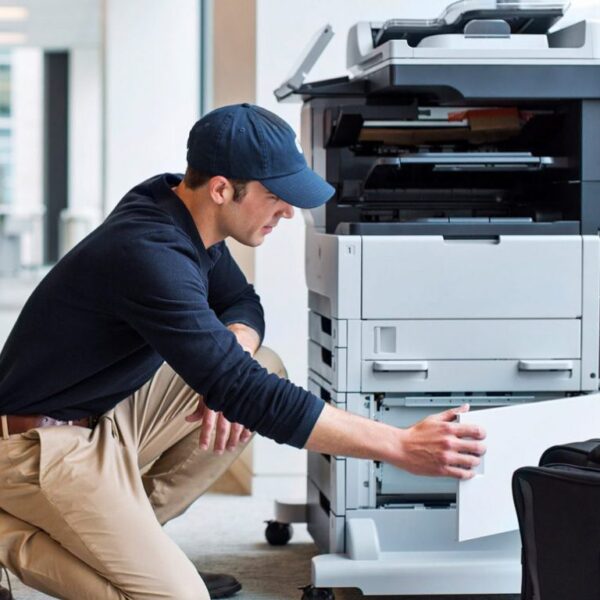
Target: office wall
{"type": "Point", "coordinates": [85, 187]}
{"type": "Point", "coordinates": [151, 97]}
{"type": "Point", "coordinates": [27, 148]}
{"type": "Point", "coordinates": [233, 57]}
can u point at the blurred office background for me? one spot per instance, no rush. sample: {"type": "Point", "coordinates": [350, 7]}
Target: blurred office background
{"type": "Point", "coordinates": [97, 95]}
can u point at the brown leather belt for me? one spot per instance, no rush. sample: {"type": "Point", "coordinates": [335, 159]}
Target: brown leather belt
{"type": "Point", "coordinates": [12, 424]}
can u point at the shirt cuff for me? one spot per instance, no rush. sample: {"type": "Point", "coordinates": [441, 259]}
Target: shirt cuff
{"type": "Point", "coordinates": [303, 431]}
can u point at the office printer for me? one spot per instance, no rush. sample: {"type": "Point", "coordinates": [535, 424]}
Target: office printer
{"type": "Point", "coordinates": [459, 261]}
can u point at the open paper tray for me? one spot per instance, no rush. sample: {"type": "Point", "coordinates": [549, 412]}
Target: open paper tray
{"type": "Point", "coordinates": [517, 436]}
{"type": "Point", "coordinates": [446, 169]}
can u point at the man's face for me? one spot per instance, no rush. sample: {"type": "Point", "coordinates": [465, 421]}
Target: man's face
{"type": "Point", "coordinates": [250, 218]}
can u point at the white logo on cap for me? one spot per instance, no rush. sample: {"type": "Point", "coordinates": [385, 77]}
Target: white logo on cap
{"type": "Point", "coordinates": [298, 144]}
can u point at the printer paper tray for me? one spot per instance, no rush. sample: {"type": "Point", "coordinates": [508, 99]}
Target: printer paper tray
{"type": "Point", "coordinates": [426, 376]}
{"type": "Point", "coordinates": [432, 277]}
{"type": "Point", "coordinates": [517, 436]}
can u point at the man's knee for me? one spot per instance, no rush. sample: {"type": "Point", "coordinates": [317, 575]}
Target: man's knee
{"type": "Point", "coordinates": [270, 360]}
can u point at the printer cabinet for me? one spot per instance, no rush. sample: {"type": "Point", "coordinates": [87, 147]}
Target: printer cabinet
{"type": "Point", "coordinates": [432, 277]}
{"type": "Point", "coordinates": [403, 327]}
{"type": "Point", "coordinates": [473, 329]}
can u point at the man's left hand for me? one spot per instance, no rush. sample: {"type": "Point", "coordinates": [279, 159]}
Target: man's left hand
{"type": "Point", "coordinates": [227, 435]}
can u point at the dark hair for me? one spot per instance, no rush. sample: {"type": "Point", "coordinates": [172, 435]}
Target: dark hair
{"type": "Point", "coordinates": [194, 179]}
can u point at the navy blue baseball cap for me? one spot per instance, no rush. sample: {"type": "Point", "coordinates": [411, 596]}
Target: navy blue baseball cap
{"type": "Point", "coordinates": [244, 141]}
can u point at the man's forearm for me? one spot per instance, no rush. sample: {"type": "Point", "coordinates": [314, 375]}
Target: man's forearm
{"type": "Point", "coordinates": [342, 433]}
{"type": "Point", "coordinates": [248, 338]}
{"type": "Point", "coordinates": [437, 445]}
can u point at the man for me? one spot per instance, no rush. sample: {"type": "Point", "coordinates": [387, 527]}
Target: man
{"type": "Point", "coordinates": [87, 404]}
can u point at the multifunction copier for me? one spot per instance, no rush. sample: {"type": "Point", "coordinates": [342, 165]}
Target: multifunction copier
{"type": "Point", "coordinates": [459, 262]}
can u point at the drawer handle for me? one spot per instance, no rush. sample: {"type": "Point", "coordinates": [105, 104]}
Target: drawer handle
{"type": "Point", "coordinates": [390, 366]}
{"type": "Point", "coordinates": [545, 365]}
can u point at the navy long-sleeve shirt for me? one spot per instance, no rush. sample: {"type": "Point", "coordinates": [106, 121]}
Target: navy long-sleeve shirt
{"type": "Point", "coordinates": [139, 290]}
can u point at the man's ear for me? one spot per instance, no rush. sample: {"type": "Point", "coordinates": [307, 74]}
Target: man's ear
{"type": "Point", "coordinates": [220, 189]}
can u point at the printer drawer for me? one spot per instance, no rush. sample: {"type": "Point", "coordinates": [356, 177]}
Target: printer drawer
{"type": "Point", "coordinates": [472, 339]}
{"type": "Point", "coordinates": [470, 375]}
{"type": "Point", "coordinates": [332, 366]}
{"type": "Point", "coordinates": [327, 473]}
{"type": "Point", "coordinates": [430, 277]}
{"type": "Point", "coordinates": [327, 332]}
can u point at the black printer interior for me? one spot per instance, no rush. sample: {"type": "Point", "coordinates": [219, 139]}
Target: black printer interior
{"type": "Point", "coordinates": [511, 165]}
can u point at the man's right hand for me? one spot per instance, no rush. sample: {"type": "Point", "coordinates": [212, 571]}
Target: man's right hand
{"type": "Point", "coordinates": [438, 445]}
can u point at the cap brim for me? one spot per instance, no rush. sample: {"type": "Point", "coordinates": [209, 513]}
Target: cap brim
{"type": "Point", "coordinates": [304, 189]}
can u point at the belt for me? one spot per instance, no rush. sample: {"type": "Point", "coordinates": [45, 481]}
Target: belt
{"type": "Point", "coordinates": [12, 424]}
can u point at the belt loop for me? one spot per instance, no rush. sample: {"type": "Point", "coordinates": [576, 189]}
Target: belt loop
{"type": "Point", "coordinates": [4, 422]}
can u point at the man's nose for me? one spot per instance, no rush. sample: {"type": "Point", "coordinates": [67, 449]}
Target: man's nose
{"type": "Point", "coordinates": [288, 211]}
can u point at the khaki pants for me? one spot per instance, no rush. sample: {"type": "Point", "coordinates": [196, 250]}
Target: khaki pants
{"type": "Point", "coordinates": [77, 518]}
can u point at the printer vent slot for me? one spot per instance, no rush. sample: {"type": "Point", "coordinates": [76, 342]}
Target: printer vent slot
{"type": "Point", "coordinates": [425, 500]}
{"type": "Point", "coordinates": [326, 325]}
{"type": "Point", "coordinates": [324, 394]}
{"type": "Point", "coordinates": [324, 503]}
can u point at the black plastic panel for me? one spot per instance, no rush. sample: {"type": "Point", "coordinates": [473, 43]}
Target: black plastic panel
{"type": "Point", "coordinates": [459, 229]}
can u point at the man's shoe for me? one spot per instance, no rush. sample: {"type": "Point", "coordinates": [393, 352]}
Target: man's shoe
{"type": "Point", "coordinates": [219, 585]}
{"type": "Point", "coordinates": [5, 594]}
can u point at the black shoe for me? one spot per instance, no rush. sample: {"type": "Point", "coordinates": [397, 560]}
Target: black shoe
{"type": "Point", "coordinates": [219, 585]}
{"type": "Point", "coordinates": [5, 594]}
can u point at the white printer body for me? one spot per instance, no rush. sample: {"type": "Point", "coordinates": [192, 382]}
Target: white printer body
{"type": "Point", "coordinates": [459, 261]}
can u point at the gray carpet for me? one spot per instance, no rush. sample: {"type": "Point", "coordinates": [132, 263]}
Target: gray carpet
{"type": "Point", "coordinates": [224, 532]}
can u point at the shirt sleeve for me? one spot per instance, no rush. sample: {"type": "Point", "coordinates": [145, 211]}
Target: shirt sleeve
{"type": "Point", "coordinates": [231, 296]}
{"type": "Point", "coordinates": [161, 292]}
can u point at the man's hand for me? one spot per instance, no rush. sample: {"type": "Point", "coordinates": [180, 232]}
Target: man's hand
{"type": "Point", "coordinates": [227, 435]}
{"type": "Point", "coordinates": [438, 445]}
{"type": "Point", "coordinates": [247, 338]}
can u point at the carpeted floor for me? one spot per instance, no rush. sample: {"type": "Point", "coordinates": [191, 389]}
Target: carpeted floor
{"type": "Point", "coordinates": [224, 532]}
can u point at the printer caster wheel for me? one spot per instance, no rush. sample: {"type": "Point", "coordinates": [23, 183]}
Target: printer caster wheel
{"type": "Point", "coordinates": [278, 534]}
{"type": "Point", "coordinates": [310, 592]}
